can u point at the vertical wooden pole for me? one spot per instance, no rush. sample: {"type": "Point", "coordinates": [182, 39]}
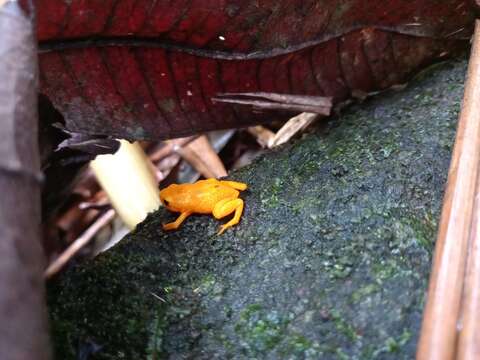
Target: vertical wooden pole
{"type": "Point", "coordinates": [23, 320]}
{"type": "Point", "coordinates": [439, 328]}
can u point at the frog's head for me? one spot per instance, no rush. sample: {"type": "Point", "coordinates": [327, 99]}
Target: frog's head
{"type": "Point", "coordinates": [168, 196]}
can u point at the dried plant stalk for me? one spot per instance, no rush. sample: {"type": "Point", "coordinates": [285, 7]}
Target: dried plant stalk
{"type": "Point", "coordinates": [439, 328]}
{"type": "Point", "coordinates": [469, 338]}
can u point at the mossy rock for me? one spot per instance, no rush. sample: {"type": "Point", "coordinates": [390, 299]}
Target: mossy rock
{"type": "Point", "coordinates": [331, 259]}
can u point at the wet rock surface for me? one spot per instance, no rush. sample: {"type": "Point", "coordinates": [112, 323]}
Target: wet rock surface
{"type": "Point", "coordinates": [331, 259]}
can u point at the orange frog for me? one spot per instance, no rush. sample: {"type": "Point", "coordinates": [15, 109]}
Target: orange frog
{"type": "Point", "coordinates": [211, 196]}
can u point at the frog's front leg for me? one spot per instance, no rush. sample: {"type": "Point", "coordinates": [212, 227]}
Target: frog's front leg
{"type": "Point", "coordinates": [226, 207]}
{"type": "Point", "coordinates": [176, 224]}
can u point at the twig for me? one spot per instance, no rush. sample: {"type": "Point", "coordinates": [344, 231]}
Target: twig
{"type": "Point", "coordinates": [97, 205]}
{"type": "Point", "coordinates": [259, 105]}
{"type": "Point", "coordinates": [439, 329]}
{"type": "Point", "coordinates": [273, 101]}
{"type": "Point", "coordinates": [79, 243]}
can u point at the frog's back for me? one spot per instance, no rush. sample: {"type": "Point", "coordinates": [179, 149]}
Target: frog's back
{"type": "Point", "coordinates": [208, 193]}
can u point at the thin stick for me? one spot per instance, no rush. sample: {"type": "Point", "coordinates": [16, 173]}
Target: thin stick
{"type": "Point", "coordinates": [79, 243]}
{"type": "Point", "coordinates": [439, 327]}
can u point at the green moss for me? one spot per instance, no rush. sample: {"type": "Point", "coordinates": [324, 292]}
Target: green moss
{"type": "Point", "coordinates": [385, 270]}
{"type": "Point", "coordinates": [271, 199]}
{"type": "Point", "coordinates": [260, 330]}
{"type": "Point", "coordinates": [343, 326]}
{"type": "Point", "coordinates": [392, 345]}
{"type": "Point", "coordinates": [298, 344]}
{"type": "Point", "coordinates": [363, 292]}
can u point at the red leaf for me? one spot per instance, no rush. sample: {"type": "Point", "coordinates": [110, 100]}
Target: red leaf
{"type": "Point", "coordinates": [146, 68]}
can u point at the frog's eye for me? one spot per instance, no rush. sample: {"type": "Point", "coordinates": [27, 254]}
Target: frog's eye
{"type": "Point", "coordinates": [166, 202]}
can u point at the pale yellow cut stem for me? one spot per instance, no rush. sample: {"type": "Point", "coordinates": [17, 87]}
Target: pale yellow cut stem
{"type": "Point", "coordinates": [129, 182]}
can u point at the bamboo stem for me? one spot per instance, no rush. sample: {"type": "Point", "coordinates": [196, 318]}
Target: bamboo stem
{"type": "Point", "coordinates": [439, 328]}
{"type": "Point", "coordinates": [469, 337]}
{"type": "Point", "coordinates": [127, 178]}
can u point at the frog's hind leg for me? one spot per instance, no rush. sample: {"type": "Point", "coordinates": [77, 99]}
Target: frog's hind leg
{"type": "Point", "coordinates": [176, 224]}
{"type": "Point", "coordinates": [226, 207]}
{"type": "Point", "coordinates": [235, 184]}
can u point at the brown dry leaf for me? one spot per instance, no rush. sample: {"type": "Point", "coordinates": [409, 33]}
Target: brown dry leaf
{"type": "Point", "coordinates": [204, 150]}
{"type": "Point", "coordinates": [292, 127]}
{"type": "Point", "coordinates": [263, 135]}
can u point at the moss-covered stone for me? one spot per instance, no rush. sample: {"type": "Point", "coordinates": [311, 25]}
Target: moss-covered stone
{"type": "Point", "coordinates": [331, 258]}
